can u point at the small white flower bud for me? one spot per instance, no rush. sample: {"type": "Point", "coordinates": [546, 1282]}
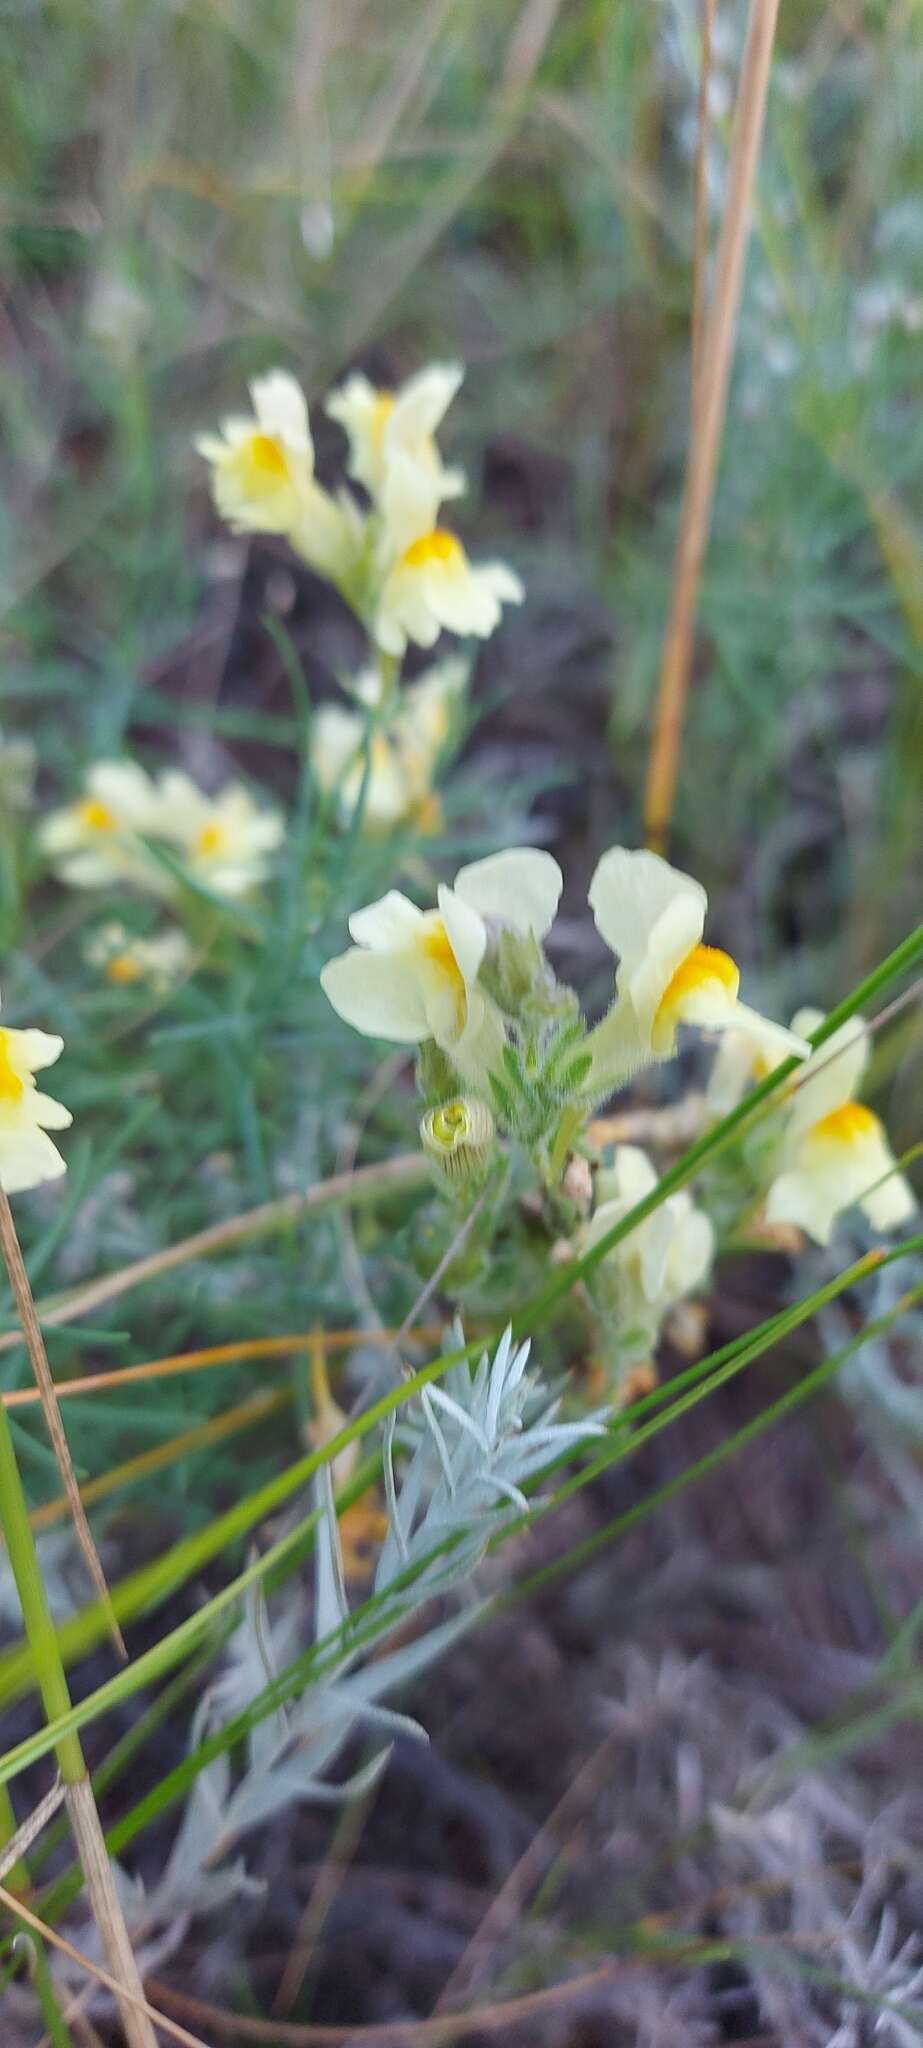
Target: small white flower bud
{"type": "Point", "coordinates": [458, 1136]}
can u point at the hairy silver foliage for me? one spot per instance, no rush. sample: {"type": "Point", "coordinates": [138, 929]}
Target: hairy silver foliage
{"type": "Point", "coordinates": [474, 1441]}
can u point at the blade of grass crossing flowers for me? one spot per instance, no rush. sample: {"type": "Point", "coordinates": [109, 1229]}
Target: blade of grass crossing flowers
{"type": "Point", "coordinates": [35, 1345]}
{"type": "Point", "coordinates": [178, 1782]}
{"type": "Point", "coordinates": [149, 1586]}
{"type": "Point", "coordinates": [81, 1805]}
{"type": "Point", "coordinates": [362, 1626]}
{"type": "Point", "coordinates": [811, 1384]}
{"type": "Point", "coordinates": [410, 1172]}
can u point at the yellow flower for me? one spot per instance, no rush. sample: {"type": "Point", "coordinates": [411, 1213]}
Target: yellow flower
{"type": "Point", "coordinates": [126, 959]}
{"type": "Point", "coordinates": [664, 1258]}
{"type": "Point", "coordinates": [224, 841]}
{"type": "Point", "coordinates": [98, 839]}
{"type": "Point", "coordinates": [403, 755]}
{"type": "Point", "coordinates": [27, 1154]}
{"type": "Point", "coordinates": [835, 1151]}
{"type": "Point", "coordinates": [263, 478]}
{"type": "Point", "coordinates": [413, 974]}
{"type": "Point", "coordinates": [753, 1048]}
{"type": "Point", "coordinates": [652, 917]}
{"type": "Point", "coordinates": [431, 586]}
{"type": "Point", "coordinates": [391, 434]}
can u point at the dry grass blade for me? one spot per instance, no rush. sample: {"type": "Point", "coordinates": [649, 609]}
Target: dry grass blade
{"type": "Point", "coordinates": [204, 1436]}
{"type": "Point", "coordinates": [35, 1345]}
{"type": "Point", "coordinates": [702, 466]}
{"type": "Point", "coordinates": [407, 1171]}
{"type": "Point", "coordinates": [700, 225]}
{"type": "Point", "coordinates": [31, 1828]}
{"type": "Point", "coordinates": [215, 1354]}
{"type": "Point", "coordinates": [74, 1955]}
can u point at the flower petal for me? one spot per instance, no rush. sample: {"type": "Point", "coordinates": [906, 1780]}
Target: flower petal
{"type": "Point", "coordinates": [32, 1049]}
{"type": "Point", "coordinates": [280, 407]}
{"type": "Point", "coordinates": [392, 922]}
{"type": "Point", "coordinates": [28, 1157]}
{"type": "Point", "coordinates": [378, 993]}
{"type": "Point", "coordinates": [830, 1077]}
{"type": "Point", "coordinates": [422, 403]}
{"type": "Point", "coordinates": [466, 931]}
{"type": "Point", "coordinates": [521, 887]}
{"type": "Point", "coordinates": [652, 916]}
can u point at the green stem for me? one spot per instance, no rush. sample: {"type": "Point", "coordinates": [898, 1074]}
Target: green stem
{"type": "Point", "coordinates": [39, 1627]}
{"type": "Point", "coordinates": [81, 1806]}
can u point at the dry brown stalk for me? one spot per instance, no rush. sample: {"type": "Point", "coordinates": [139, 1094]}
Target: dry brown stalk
{"type": "Point", "coordinates": [408, 1170]}
{"type": "Point", "coordinates": [700, 220]}
{"type": "Point", "coordinates": [35, 1345]}
{"type": "Point", "coordinates": [705, 439]}
{"type": "Point", "coordinates": [135, 2000]}
{"type": "Point", "coordinates": [216, 1354]}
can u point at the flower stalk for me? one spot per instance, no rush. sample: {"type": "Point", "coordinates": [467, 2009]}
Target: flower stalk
{"type": "Point", "coordinates": [35, 1345]}
{"type": "Point", "coordinates": [78, 1794]}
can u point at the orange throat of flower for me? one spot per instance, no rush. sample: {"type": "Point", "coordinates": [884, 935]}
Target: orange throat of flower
{"type": "Point", "coordinates": [12, 1086]}
{"type": "Point", "coordinates": [846, 1128]}
{"type": "Point", "coordinates": [122, 970]}
{"type": "Point", "coordinates": [267, 459]}
{"type": "Point", "coordinates": [436, 550]}
{"type": "Point", "coordinates": [706, 970]}
{"type": "Point", "coordinates": [96, 816]}
{"type": "Point", "coordinates": [381, 413]}
{"type": "Point", "coordinates": [436, 947]}
{"type": "Point", "coordinates": [210, 841]}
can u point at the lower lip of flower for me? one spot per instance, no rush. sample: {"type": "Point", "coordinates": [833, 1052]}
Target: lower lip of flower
{"type": "Point", "coordinates": [96, 816]}
{"type": "Point", "coordinates": [122, 969]}
{"type": "Point", "coordinates": [436, 945]}
{"type": "Point", "coordinates": [210, 841]}
{"type": "Point", "coordinates": [851, 1124]}
{"type": "Point", "coordinates": [268, 456]}
{"type": "Point", "coordinates": [438, 549]}
{"type": "Point", "coordinates": [704, 966]}
{"type": "Point", "coordinates": [12, 1087]}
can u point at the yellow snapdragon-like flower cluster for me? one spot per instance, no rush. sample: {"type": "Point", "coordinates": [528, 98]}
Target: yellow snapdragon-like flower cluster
{"type": "Point", "coordinates": [414, 975]}
{"type": "Point", "coordinates": [222, 842]}
{"type": "Point", "coordinates": [833, 1152]}
{"type": "Point", "coordinates": [651, 915]}
{"type": "Point", "coordinates": [663, 1260]}
{"type": "Point", "coordinates": [127, 959]}
{"type": "Point", "coordinates": [403, 753]}
{"type": "Point", "coordinates": [404, 571]}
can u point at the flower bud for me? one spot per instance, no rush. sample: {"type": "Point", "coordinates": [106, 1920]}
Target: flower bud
{"type": "Point", "coordinates": [458, 1137]}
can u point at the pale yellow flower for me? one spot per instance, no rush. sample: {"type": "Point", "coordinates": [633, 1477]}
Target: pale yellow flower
{"type": "Point", "coordinates": [27, 1154]}
{"type": "Point", "coordinates": [413, 974]}
{"type": "Point", "coordinates": [263, 478]}
{"type": "Point", "coordinates": [665, 1257]}
{"type": "Point", "coordinates": [403, 754]}
{"type": "Point", "coordinates": [224, 841]}
{"type": "Point", "coordinates": [746, 1054]}
{"type": "Point", "coordinates": [432, 587]}
{"type": "Point", "coordinates": [126, 959]}
{"type": "Point", "coordinates": [835, 1151]}
{"type": "Point", "coordinates": [652, 917]}
{"type": "Point", "coordinates": [392, 432]}
{"type": "Point", "coordinates": [99, 839]}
